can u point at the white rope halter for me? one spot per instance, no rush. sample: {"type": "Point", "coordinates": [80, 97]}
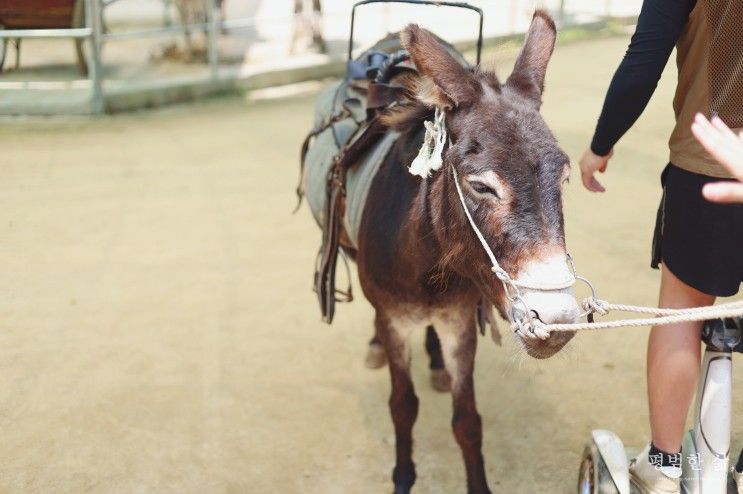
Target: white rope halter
{"type": "Point", "coordinates": [522, 319]}
{"type": "Point", "coordinates": [526, 325]}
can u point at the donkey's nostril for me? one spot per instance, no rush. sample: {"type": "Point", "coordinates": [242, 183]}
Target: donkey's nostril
{"type": "Point", "coordinates": [552, 307]}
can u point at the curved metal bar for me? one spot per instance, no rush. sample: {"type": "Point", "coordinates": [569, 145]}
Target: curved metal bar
{"type": "Point", "coordinates": [436, 3]}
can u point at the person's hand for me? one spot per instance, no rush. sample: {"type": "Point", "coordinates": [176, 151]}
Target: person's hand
{"type": "Point", "coordinates": [591, 163]}
{"type": "Point", "coordinates": [725, 147]}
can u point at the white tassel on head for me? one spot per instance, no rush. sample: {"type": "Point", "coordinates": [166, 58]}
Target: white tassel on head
{"type": "Point", "coordinates": [430, 157]}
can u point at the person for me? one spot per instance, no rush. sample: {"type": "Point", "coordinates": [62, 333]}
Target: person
{"type": "Point", "coordinates": [307, 20]}
{"type": "Point", "coordinates": [727, 149]}
{"type": "Point", "coordinates": [697, 242]}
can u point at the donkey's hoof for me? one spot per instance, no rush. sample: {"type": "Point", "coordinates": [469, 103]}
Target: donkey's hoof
{"type": "Point", "coordinates": [375, 356]}
{"type": "Point", "coordinates": [440, 380]}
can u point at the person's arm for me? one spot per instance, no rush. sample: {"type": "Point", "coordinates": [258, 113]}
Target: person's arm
{"type": "Point", "coordinates": [725, 147]}
{"type": "Point", "coordinates": [659, 26]}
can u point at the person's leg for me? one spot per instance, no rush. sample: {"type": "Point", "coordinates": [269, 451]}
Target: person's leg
{"type": "Point", "coordinates": [673, 362]}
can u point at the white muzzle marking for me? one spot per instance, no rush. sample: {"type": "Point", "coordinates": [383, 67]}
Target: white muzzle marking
{"type": "Point", "coordinates": [549, 305]}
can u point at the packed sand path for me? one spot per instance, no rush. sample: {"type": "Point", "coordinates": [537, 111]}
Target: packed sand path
{"type": "Point", "coordinates": [158, 332]}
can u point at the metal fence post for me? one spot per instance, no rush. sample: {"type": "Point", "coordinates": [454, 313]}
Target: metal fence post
{"type": "Point", "coordinates": [212, 35]}
{"type": "Point", "coordinates": [93, 20]}
{"type": "Point", "coordinates": [167, 19]}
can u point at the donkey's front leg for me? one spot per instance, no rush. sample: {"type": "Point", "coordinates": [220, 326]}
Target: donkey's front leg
{"type": "Point", "coordinates": [403, 401]}
{"type": "Point", "coordinates": [459, 343]}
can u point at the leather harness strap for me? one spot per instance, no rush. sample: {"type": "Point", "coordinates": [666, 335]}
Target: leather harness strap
{"type": "Point", "coordinates": [306, 146]}
{"type": "Point", "coordinates": [367, 135]}
{"type": "Point", "coordinates": [374, 92]}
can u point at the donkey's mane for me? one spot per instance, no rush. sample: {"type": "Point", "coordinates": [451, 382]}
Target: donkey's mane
{"type": "Point", "coordinates": [422, 97]}
{"type": "Point", "coordinates": [409, 115]}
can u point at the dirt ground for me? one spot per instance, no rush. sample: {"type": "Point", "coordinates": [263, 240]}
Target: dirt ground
{"type": "Point", "coordinates": [158, 332]}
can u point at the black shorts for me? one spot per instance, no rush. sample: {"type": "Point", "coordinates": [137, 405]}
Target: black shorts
{"type": "Point", "coordinates": [700, 242]}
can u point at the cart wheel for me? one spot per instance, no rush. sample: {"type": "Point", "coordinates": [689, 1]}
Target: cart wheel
{"type": "Point", "coordinates": [3, 49]}
{"type": "Point", "coordinates": [593, 476]}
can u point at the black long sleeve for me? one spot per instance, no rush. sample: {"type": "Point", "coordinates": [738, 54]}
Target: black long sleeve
{"type": "Point", "coordinates": [659, 26]}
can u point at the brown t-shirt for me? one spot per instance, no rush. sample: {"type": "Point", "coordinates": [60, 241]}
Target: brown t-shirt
{"type": "Point", "coordinates": [710, 80]}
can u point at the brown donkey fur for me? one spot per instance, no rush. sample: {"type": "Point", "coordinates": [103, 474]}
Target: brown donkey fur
{"type": "Point", "coordinates": [419, 261]}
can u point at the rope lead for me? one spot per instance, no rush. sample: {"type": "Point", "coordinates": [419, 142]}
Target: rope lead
{"type": "Point", "coordinates": [662, 316]}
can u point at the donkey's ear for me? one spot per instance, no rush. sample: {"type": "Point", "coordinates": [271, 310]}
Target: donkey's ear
{"type": "Point", "coordinates": [453, 84]}
{"type": "Point", "coordinates": [531, 65]}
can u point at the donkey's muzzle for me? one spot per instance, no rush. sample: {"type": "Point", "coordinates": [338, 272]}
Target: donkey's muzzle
{"type": "Point", "coordinates": [550, 307]}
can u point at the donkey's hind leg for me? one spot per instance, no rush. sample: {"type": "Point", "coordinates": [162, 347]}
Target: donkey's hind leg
{"type": "Point", "coordinates": [440, 380]}
{"type": "Point", "coordinates": [403, 401]}
{"type": "Point", "coordinates": [459, 343]}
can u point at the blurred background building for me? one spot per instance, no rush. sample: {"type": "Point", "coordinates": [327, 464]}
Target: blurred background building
{"type": "Point", "coordinates": [108, 55]}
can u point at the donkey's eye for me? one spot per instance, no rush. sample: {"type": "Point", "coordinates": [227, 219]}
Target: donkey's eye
{"type": "Point", "coordinates": [484, 189]}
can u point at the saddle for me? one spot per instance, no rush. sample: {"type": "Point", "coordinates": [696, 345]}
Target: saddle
{"type": "Point", "coordinates": [345, 148]}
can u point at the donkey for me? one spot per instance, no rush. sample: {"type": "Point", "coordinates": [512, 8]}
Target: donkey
{"type": "Point", "coordinates": [420, 262]}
